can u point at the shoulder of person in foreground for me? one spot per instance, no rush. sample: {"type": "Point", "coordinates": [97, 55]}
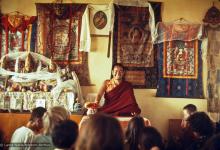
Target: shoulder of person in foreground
{"type": "Point", "coordinates": [43, 142]}
{"type": "Point", "coordinates": [155, 148]}
{"type": "Point", "coordinates": [22, 134]}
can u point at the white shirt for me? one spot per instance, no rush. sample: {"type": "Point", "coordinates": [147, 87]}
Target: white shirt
{"type": "Point", "coordinates": [43, 142]}
{"type": "Point", "coordinates": [22, 139]}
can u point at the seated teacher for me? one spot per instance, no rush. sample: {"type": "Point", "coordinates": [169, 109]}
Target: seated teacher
{"type": "Point", "coordinates": [118, 94]}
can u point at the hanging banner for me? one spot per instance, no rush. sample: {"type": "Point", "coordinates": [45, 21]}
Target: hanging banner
{"type": "Point", "coordinates": [133, 45]}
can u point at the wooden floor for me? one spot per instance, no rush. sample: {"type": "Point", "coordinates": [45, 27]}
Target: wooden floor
{"type": "Point", "coordinates": [11, 121]}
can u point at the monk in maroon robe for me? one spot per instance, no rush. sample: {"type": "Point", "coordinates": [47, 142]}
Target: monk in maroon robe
{"type": "Point", "coordinates": [118, 94]}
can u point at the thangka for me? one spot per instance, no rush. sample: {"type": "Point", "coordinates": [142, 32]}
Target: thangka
{"type": "Point", "coordinates": [212, 29]}
{"type": "Point", "coordinates": [180, 61]}
{"type": "Point", "coordinates": [133, 46]}
{"type": "Point", "coordinates": [18, 34]}
{"type": "Point", "coordinates": [59, 33]}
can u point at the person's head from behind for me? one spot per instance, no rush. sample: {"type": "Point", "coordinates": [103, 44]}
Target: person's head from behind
{"type": "Point", "coordinates": [118, 71]}
{"type": "Point", "coordinates": [188, 110]}
{"type": "Point", "coordinates": [54, 116]}
{"type": "Point", "coordinates": [100, 132]}
{"type": "Point", "coordinates": [133, 132]}
{"type": "Point", "coordinates": [201, 124]}
{"type": "Point", "coordinates": [35, 120]}
{"type": "Point", "coordinates": [150, 139]}
{"type": "Point", "coordinates": [213, 143]}
{"type": "Point", "coordinates": [65, 134]}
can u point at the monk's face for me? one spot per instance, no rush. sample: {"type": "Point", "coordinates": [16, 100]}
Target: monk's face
{"type": "Point", "coordinates": [118, 73]}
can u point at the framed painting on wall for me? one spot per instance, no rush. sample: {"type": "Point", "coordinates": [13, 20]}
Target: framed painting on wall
{"type": "Point", "coordinates": [100, 19]}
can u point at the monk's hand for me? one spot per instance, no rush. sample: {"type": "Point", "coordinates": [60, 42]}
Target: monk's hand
{"type": "Point", "coordinates": [96, 105]}
{"type": "Point", "coordinates": [97, 102]}
{"type": "Point", "coordinates": [91, 105]}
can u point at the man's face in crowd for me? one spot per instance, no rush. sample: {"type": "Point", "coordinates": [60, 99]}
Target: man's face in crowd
{"type": "Point", "coordinates": [186, 114]}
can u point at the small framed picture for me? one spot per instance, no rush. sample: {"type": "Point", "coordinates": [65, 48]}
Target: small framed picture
{"type": "Point", "coordinates": [100, 19]}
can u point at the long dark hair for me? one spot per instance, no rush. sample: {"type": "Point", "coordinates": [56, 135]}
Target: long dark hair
{"type": "Point", "coordinates": [201, 124]}
{"type": "Point", "coordinates": [213, 143]}
{"type": "Point", "coordinates": [133, 132]}
{"type": "Point", "coordinates": [151, 137]}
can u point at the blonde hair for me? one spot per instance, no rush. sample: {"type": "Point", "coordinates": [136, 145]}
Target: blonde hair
{"type": "Point", "coordinates": [53, 116]}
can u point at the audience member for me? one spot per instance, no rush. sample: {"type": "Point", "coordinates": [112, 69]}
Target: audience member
{"type": "Point", "coordinates": [51, 118]}
{"type": "Point", "coordinates": [186, 137]}
{"type": "Point", "coordinates": [151, 139]}
{"type": "Point", "coordinates": [133, 132]}
{"type": "Point", "coordinates": [64, 135]}
{"type": "Point", "coordinates": [213, 143]}
{"type": "Point", "coordinates": [100, 132]}
{"type": "Point", "coordinates": [25, 134]}
{"type": "Point", "coordinates": [188, 110]}
{"type": "Point", "coordinates": [202, 128]}
{"type": "Point", "coordinates": [83, 121]}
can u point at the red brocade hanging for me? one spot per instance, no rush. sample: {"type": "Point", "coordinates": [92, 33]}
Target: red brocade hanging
{"type": "Point", "coordinates": [16, 29]}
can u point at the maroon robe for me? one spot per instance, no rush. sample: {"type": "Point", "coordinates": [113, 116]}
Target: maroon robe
{"type": "Point", "coordinates": [120, 101]}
